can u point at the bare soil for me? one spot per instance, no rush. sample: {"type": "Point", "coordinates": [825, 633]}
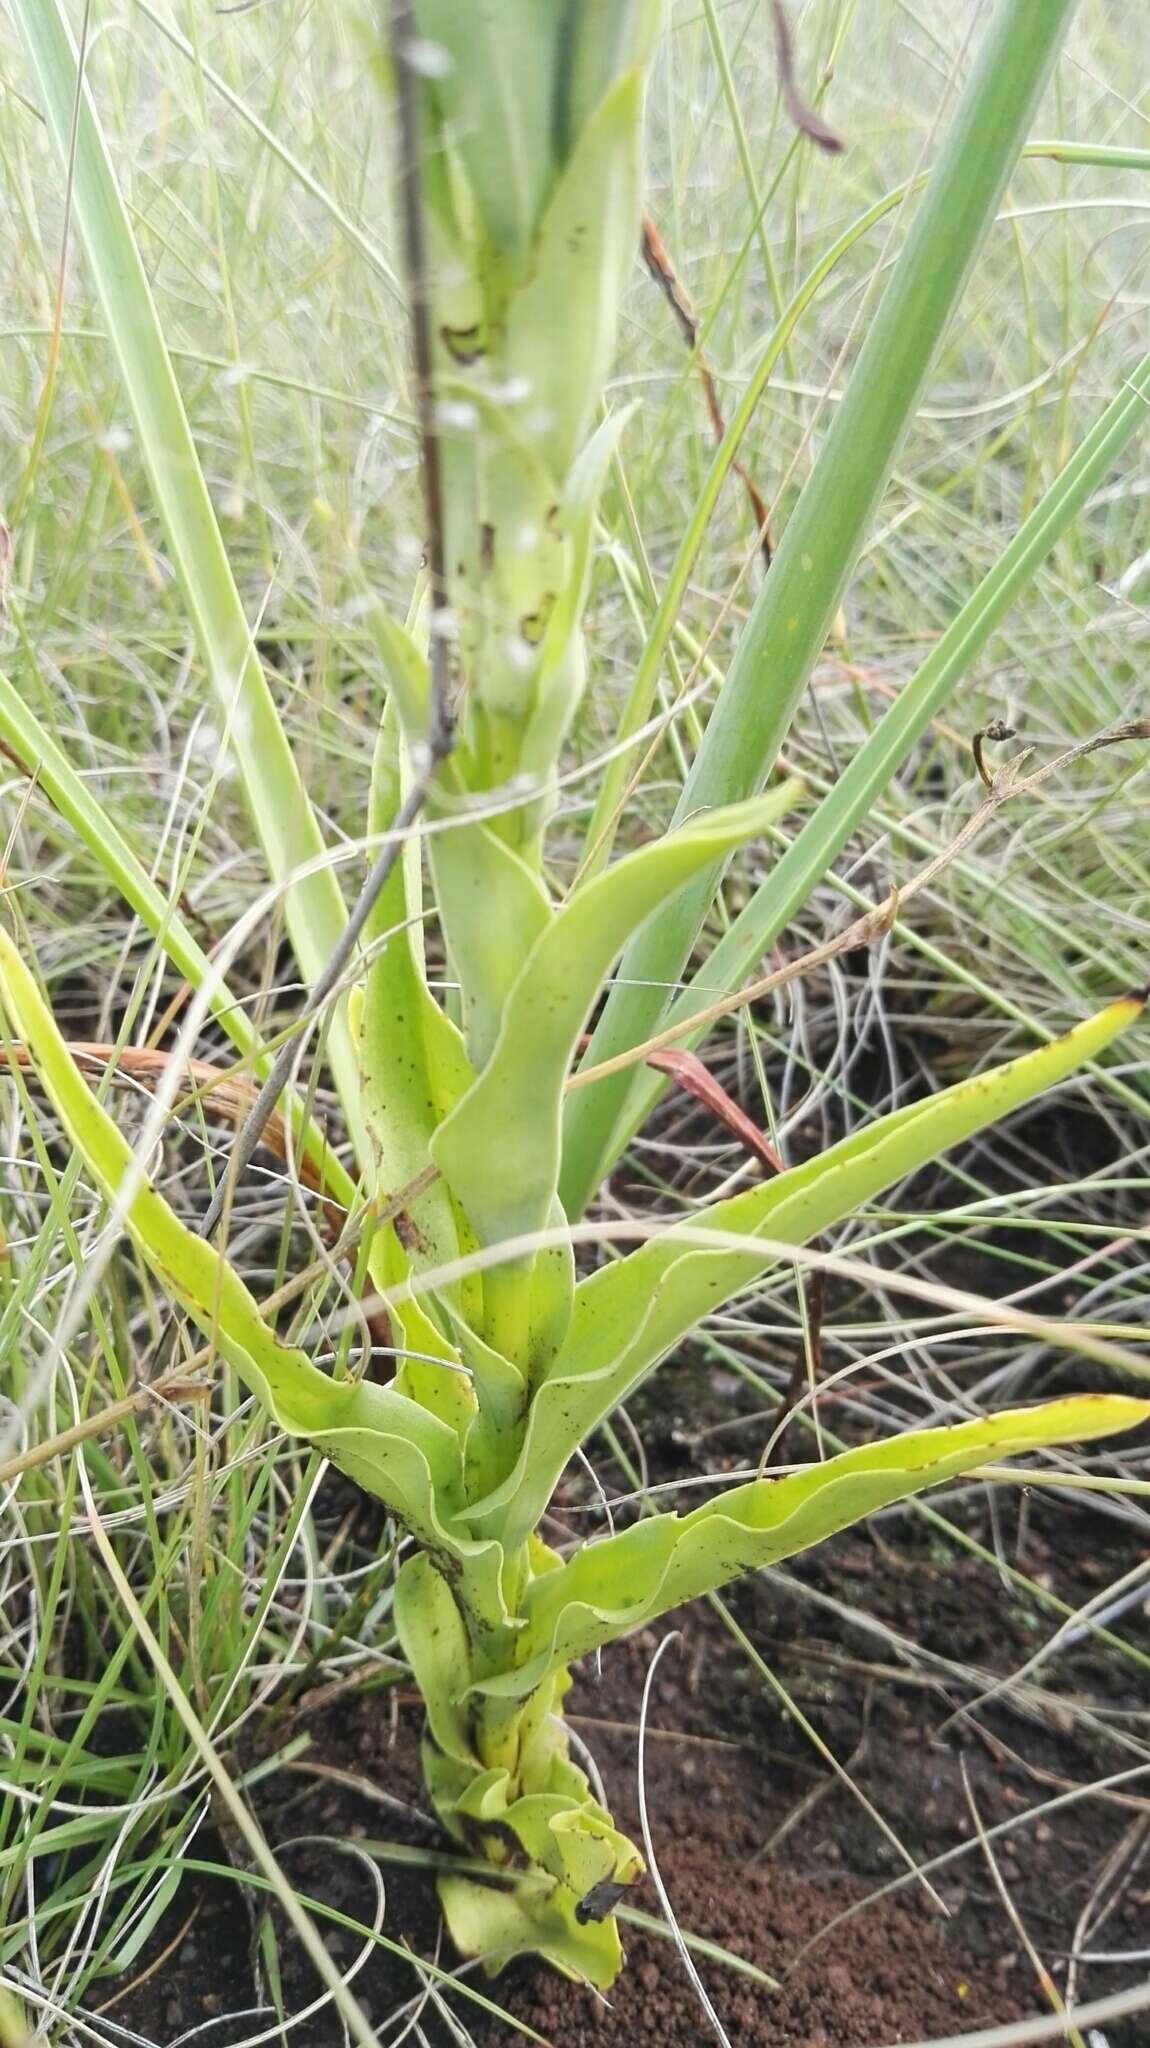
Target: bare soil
{"type": "Point", "coordinates": [761, 1847]}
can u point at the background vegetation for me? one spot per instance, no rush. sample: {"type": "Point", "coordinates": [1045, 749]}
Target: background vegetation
{"type": "Point", "coordinates": [256, 163]}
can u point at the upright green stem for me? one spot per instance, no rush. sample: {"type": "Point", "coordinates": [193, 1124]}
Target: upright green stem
{"type": "Point", "coordinates": [821, 543]}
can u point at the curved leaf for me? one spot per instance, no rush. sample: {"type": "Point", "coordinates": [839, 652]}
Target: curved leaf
{"type": "Point", "coordinates": [611, 1587]}
{"type": "Point", "coordinates": [493, 908]}
{"type": "Point", "coordinates": [499, 1148]}
{"type": "Point", "coordinates": [562, 323]}
{"type": "Point", "coordinates": [562, 671]}
{"type": "Point", "coordinates": [412, 1061]}
{"type": "Point", "coordinates": [386, 1442]}
{"type": "Point", "coordinates": [630, 1313]}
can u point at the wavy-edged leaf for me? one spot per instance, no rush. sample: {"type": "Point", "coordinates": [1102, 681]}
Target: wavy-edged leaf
{"type": "Point", "coordinates": [499, 1148]}
{"type": "Point", "coordinates": [533, 1794]}
{"type": "Point", "coordinates": [500, 1921]}
{"type": "Point", "coordinates": [386, 1442]}
{"type": "Point", "coordinates": [433, 1637]}
{"type": "Point", "coordinates": [611, 1587]}
{"type": "Point", "coordinates": [629, 1314]}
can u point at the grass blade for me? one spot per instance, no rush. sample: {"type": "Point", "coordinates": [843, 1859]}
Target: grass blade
{"type": "Point", "coordinates": [821, 542]}
{"type": "Point", "coordinates": [283, 816]}
{"type": "Point", "coordinates": [867, 773]}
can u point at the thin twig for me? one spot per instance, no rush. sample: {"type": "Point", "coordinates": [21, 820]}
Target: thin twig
{"type": "Point", "coordinates": [806, 1370]}
{"type": "Point", "coordinates": [806, 120]}
{"type": "Point", "coordinates": [1006, 785]}
{"type": "Point", "coordinates": [997, 732]}
{"type": "Point", "coordinates": [178, 1388]}
{"type": "Point", "coordinates": [685, 1957]}
{"type": "Point", "coordinates": [661, 268]}
{"type": "Point", "coordinates": [441, 723]}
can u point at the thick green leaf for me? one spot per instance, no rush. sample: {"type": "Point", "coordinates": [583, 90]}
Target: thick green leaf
{"type": "Point", "coordinates": [387, 1443]}
{"type": "Point", "coordinates": [537, 1802]}
{"type": "Point", "coordinates": [611, 1587]}
{"type": "Point", "coordinates": [494, 94]}
{"type": "Point", "coordinates": [531, 1917]}
{"type": "Point", "coordinates": [412, 1061]}
{"type": "Point", "coordinates": [562, 324]}
{"type": "Point", "coordinates": [630, 1313]}
{"type": "Point", "coordinates": [405, 666]}
{"type": "Point", "coordinates": [434, 1641]}
{"type": "Point", "coordinates": [506, 559]}
{"type": "Point", "coordinates": [562, 671]}
{"type": "Point", "coordinates": [493, 907]}
{"type": "Point", "coordinates": [601, 39]}
{"type": "Point", "coordinates": [499, 1148]}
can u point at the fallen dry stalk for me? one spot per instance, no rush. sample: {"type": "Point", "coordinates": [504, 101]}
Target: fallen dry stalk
{"type": "Point", "coordinates": [178, 1387]}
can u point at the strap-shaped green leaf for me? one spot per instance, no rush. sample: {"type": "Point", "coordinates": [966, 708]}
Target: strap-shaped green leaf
{"type": "Point", "coordinates": [434, 1641]}
{"type": "Point", "coordinates": [562, 671]}
{"type": "Point", "coordinates": [405, 666]}
{"type": "Point", "coordinates": [412, 1060]}
{"type": "Point", "coordinates": [601, 39]}
{"type": "Point", "coordinates": [507, 559]}
{"type": "Point", "coordinates": [499, 1148]}
{"type": "Point", "coordinates": [631, 1313]}
{"type": "Point", "coordinates": [386, 1442]}
{"type": "Point", "coordinates": [562, 324]}
{"type": "Point", "coordinates": [492, 908]}
{"type": "Point", "coordinates": [611, 1587]}
{"type": "Point", "coordinates": [494, 92]}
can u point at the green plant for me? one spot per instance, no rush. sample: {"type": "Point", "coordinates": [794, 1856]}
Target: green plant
{"type": "Point", "coordinates": [522, 190]}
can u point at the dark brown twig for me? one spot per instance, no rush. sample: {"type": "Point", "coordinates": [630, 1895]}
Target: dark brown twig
{"type": "Point", "coordinates": [661, 268]}
{"type": "Point", "coordinates": [995, 731]}
{"type": "Point", "coordinates": [441, 724]}
{"type": "Point", "coordinates": [801, 112]}
{"type": "Point", "coordinates": [404, 45]}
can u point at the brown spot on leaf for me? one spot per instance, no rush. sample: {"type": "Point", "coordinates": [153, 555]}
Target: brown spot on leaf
{"type": "Point", "coordinates": [533, 625]}
{"type": "Point", "coordinates": [463, 344]}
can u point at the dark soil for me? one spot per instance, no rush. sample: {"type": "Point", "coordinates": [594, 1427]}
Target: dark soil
{"type": "Point", "coordinates": [761, 1848]}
